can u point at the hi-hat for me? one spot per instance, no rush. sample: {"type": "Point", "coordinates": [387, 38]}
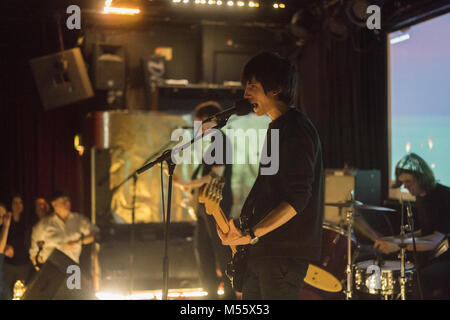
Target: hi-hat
{"type": "Point", "coordinates": [359, 206]}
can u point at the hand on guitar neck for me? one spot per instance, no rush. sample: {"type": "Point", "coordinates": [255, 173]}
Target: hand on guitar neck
{"type": "Point", "coordinates": [233, 237]}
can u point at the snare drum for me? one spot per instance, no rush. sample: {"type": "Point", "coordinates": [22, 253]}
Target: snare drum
{"type": "Point", "coordinates": [328, 273]}
{"type": "Point", "coordinates": [388, 283]}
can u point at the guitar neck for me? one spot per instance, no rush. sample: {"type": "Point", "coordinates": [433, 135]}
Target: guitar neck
{"type": "Point", "coordinates": [222, 222]}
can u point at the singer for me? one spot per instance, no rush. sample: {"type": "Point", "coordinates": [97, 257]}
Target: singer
{"type": "Point", "coordinates": [431, 214]}
{"type": "Point", "coordinates": [280, 222]}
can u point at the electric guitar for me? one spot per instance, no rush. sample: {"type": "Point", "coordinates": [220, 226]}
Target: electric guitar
{"type": "Point", "coordinates": [211, 195]}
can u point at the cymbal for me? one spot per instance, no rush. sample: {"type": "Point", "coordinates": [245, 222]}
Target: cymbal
{"type": "Point", "coordinates": [405, 241]}
{"type": "Point", "coordinates": [359, 206]}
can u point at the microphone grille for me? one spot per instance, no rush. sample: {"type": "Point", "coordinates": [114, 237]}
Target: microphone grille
{"type": "Point", "coordinates": [243, 107]}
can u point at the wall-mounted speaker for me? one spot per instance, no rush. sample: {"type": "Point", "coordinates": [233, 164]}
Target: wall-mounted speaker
{"type": "Point", "coordinates": [109, 67]}
{"type": "Point", "coordinates": [61, 78]}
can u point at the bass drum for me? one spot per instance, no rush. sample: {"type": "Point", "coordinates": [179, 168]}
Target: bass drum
{"type": "Point", "coordinates": [328, 273]}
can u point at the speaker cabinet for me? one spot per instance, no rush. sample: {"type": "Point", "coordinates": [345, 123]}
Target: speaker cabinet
{"type": "Point", "coordinates": [109, 67]}
{"type": "Point", "coordinates": [339, 184]}
{"type": "Point", "coordinates": [61, 78]}
{"type": "Point", "coordinates": [50, 283]}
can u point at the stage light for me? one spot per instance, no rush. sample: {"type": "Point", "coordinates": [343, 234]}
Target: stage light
{"type": "Point", "coordinates": [210, 2]}
{"type": "Point", "coordinates": [240, 3]}
{"type": "Point", "coordinates": [185, 1]}
{"type": "Point", "coordinates": [275, 5]}
{"type": "Point", "coordinates": [219, 3]}
{"type": "Point", "coordinates": [125, 11]}
{"type": "Point", "coordinates": [154, 294]}
{"type": "Point", "coordinates": [108, 3]}
{"type": "Point", "coordinates": [251, 4]}
{"type": "Point", "coordinates": [356, 11]}
{"type": "Point", "coordinates": [230, 3]}
{"type": "Point", "coordinates": [304, 24]}
{"type": "Point", "coordinates": [400, 39]}
{"type": "Point", "coordinates": [282, 5]}
{"type": "Point", "coordinates": [203, 1]}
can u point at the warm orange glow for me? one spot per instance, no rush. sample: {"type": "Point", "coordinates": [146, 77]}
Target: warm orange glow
{"type": "Point", "coordinates": [125, 11]}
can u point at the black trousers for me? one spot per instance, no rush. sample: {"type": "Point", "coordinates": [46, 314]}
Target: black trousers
{"type": "Point", "coordinates": [274, 278]}
{"type": "Point", "coordinates": [211, 255]}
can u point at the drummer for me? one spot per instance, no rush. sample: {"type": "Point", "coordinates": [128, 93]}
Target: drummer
{"type": "Point", "coordinates": [432, 225]}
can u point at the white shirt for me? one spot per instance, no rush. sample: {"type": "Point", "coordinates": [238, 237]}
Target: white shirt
{"type": "Point", "coordinates": [56, 234]}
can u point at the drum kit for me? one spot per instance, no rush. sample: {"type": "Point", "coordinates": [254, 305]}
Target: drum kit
{"type": "Point", "coordinates": [339, 272]}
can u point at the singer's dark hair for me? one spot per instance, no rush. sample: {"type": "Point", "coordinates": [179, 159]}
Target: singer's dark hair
{"type": "Point", "coordinates": [207, 109]}
{"type": "Point", "coordinates": [415, 165]}
{"type": "Point", "coordinates": [274, 73]}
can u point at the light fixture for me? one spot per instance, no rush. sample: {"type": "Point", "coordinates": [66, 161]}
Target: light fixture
{"type": "Point", "coordinates": [230, 3]}
{"type": "Point", "coordinates": [219, 2]}
{"type": "Point", "coordinates": [356, 11]}
{"type": "Point", "coordinates": [77, 144]}
{"type": "Point", "coordinates": [275, 5]}
{"type": "Point", "coordinates": [240, 3]}
{"type": "Point", "coordinates": [125, 11]}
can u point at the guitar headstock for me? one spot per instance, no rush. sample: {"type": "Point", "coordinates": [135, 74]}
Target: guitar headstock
{"type": "Point", "coordinates": [211, 194]}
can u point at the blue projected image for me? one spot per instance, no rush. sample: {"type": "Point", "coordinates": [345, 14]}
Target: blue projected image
{"type": "Point", "coordinates": [420, 95]}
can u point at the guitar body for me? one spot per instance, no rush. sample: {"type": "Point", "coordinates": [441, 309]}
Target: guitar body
{"type": "Point", "coordinates": [236, 268]}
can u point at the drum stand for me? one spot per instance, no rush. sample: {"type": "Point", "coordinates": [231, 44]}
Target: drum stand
{"type": "Point", "coordinates": [402, 258]}
{"type": "Point", "coordinates": [349, 270]}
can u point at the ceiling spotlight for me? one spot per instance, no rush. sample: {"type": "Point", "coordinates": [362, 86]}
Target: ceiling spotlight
{"type": "Point", "coordinates": [185, 1]}
{"type": "Point", "coordinates": [211, 2]}
{"type": "Point", "coordinates": [230, 3]}
{"type": "Point", "coordinates": [356, 11]}
{"type": "Point", "coordinates": [275, 5]}
{"type": "Point", "coordinates": [219, 2]}
{"type": "Point", "coordinates": [240, 3]}
{"type": "Point", "coordinates": [282, 5]}
{"type": "Point", "coordinates": [304, 24]}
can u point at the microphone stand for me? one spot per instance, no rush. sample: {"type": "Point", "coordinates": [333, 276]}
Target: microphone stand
{"type": "Point", "coordinates": [402, 256]}
{"type": "Point", "coordinates": [167, 157]}
{"type": "Point", "coordinates": [133, 208]}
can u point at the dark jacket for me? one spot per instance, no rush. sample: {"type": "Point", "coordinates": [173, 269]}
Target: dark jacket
{"type": "Point", "coordinates": [299, 182]}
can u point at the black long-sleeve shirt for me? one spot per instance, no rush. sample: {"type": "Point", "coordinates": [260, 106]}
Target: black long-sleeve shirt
{"type": "Point", "coordinates": [299, 182]}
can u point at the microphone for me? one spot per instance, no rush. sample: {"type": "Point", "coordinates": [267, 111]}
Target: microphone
{"type": "Point", "coordinates": [40, 244]}
{"type": "Point", "coordinates": [241, 107]}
